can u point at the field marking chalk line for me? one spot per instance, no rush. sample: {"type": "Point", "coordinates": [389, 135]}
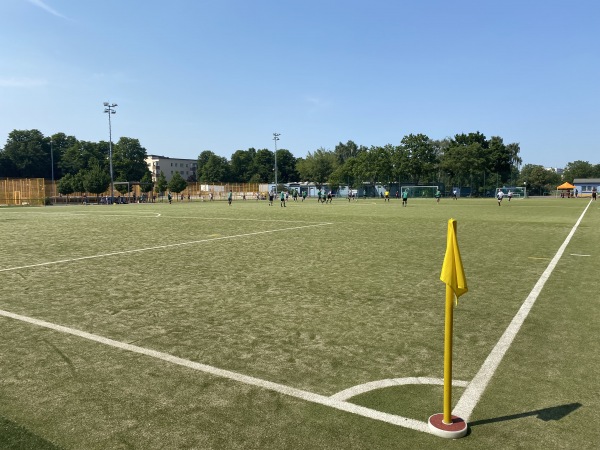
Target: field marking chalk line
{"type": "Point", "coordinates": [235, 376]}
{"type": "Point", "coordinates": [474, 391]}
{"type": "Point", "coordinates": [391, 382]}
{"type": "Point", "coordinates": [161, 247]}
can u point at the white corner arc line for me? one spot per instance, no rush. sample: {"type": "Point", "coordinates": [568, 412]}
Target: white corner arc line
{"type": "Point", "coordinates": [472, 394]}
{"type": "Point", "coordinates": [391, 382]}
{"type": "Point", "coordinates": [161, 247]}
{"type": "Point", "coordinates": [269, 385]}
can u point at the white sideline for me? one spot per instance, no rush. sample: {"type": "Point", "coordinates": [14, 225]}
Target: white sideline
{"type": "Point", "coordinates": [472, 394]}
{"type": "Point", "coordinates": [160, 247]}
{"type": "Point", "coordinates": [282, 389]}
{"type": "Point", "coordinates": [391, 382]}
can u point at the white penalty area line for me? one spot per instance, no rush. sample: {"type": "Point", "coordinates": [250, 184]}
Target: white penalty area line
{"type": "Point", "coordinates": [276, 387]}
{"type": "Point", "coordinates": [161, 247]}
{"type": "Point", "coordinates": [473, 392]}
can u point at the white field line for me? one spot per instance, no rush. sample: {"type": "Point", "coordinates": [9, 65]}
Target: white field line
{"type": "Point", "coordinates": [160, 247]}
{"type": "Point", "coordinates": [147, 214]}
{"type": "Point", "coordinates": [280, 388]}
{"type": "Point", "coordinates": [391, 382]}
{"type": "Point", "coordinates": [472, 394]}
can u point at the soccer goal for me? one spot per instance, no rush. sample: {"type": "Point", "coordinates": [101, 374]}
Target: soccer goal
{"type": "Point", "coordinates": [515, 191]}
{"type": "Point", "coordinates": [420, 191]}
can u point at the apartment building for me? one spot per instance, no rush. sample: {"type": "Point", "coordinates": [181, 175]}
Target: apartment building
{"type": "Point", "coordinates": [168, 166]}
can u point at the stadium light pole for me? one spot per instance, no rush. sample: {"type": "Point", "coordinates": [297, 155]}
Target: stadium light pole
{"type": "Point", "coordinates": [109, 109]}
{"type": "Point", "coordinates": [52, 164]}
{"type": "Point", "coordinates": [276, 138]}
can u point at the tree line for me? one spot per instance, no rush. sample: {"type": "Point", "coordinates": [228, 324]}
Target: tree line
{"type": "Point", "coordinates": [466, 160]}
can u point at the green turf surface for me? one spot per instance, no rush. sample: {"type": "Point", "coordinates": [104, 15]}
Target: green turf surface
{"type": "Point", "coordinates": [315, 297]}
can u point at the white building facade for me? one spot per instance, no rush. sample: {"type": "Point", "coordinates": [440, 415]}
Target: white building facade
{"type": "Point", "coordinates": [168, 166]}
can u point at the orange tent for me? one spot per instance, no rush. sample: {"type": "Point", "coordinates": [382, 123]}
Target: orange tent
{"type": "Point", "coordinates": [566, 185]}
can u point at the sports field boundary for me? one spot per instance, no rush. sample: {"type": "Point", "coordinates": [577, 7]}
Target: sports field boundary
{"type": "Point", "coordinates": [466, 404]}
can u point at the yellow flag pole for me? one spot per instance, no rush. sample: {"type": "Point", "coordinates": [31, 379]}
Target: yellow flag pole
{"type": "Point", "coordinates": [448, 356]}
{"type": "Point", "coordinates": [444, 424]}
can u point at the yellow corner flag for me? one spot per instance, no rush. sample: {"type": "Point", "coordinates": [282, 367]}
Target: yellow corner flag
{"type": "Point", "coordinates": [453, 273]}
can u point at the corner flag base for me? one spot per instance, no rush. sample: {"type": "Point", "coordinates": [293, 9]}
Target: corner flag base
{"type": "Point", "coordinates": [454, 430]}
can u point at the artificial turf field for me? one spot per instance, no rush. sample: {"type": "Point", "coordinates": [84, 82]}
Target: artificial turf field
{"type": "Point", "coordinates": [216, 326]}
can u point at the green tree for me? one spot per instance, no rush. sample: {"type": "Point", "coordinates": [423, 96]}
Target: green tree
{"type": "Point", "coordinates": [343, 152]}
{"type": "Point", "coordinates": [422, 157]}
{"type": "Point", "coordinates": [317, 166]}
{"type": "Point", "coordinates": [83, 155]}
{"type": "Point", "coordinates": [538, 180]}
{"type": "Point", "coordinates": [161, 183]}
{"type": "Point", "coordinates": [242, 165]}
{"type": "Point", "coordinates": [66, 185]}
{"type": "Point", "coordinates": [29, 153]}
{"type": "Point", "coordinates": [95, 180]}
{"type": "Point", "coordinates": [337, 178]}
{"type": "Point", "coordinates": [7, 168]}
{"type": "Point", "coordinates": [465, 161]}
{"type": "Point", "coordinates": [59, 143]}
{"type": "Point", "coordinates": [177, 183]}
{"type": "Point", "coordinates": [216, 169]}
{"type": "Point", "coordinates": [286, 166]}
{"type": "Point", "coordinates": [202, 160]}
{"type": "Point", "coordinates": [129, 160]}
{"type": "Point", "coordinates": [263, 166]}
{"type": "Point", "coordinates": [579, 169]}
{"type": "Point", "coordinates": [146, 184]}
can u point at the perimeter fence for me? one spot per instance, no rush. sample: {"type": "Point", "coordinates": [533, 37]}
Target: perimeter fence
{"type": "Point", "coordinates": [22, 192]}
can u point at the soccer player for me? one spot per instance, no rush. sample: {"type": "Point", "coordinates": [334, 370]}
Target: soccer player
{"type": "Point", "coordinates": [499, 197]}
{"type": "Point", "coordinates": [404, 197]}
{"type": "Point", "coordinates": [438, 195]}
{"type": "Point", "coordinates": [230, 197]}
{"type": "Point", "coordinates": [282, 198]}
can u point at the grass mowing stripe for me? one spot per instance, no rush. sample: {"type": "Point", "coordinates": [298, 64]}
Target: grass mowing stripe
{"type": "Point", "coordinates": [473, 392]}
{"type": "Point", "coordinates": [280, 388]}
{"type": "Point", "coordinates": [160, 247]}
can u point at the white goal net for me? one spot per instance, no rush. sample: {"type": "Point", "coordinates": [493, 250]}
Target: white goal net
{"type": "Point", "coordinates": [420, 191]}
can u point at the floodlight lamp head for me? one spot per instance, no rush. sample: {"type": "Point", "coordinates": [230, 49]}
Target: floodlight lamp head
{"type": "Point", "coordinates": [105, 103]}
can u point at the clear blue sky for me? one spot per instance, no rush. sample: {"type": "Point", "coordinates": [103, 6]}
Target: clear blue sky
{"type": "Point", "coordinates": [223, 75]}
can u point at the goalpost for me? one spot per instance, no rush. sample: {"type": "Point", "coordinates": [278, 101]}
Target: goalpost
{"type": "Point", "coordinates": [515, 191]}
{"type": "Point", "coordinates": [420, 191]}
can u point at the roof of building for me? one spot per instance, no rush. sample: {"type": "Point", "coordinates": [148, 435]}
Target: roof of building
{"type": "Point", "coordinates": [586, 181]}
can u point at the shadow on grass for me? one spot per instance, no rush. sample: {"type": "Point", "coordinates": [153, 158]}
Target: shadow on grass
{"type": "Point", "coordinates": [546, 414]}
{"type": "Point", "coordinates": [14, 436]}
